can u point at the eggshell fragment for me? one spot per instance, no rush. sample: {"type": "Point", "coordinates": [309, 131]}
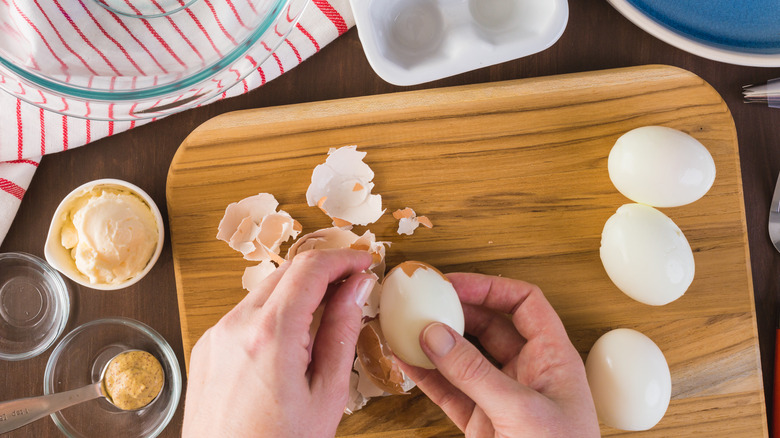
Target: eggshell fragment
{"type": "Point", "coordinates": [356, 399]}
{"type": "Point", "coordinates": [661, 167]}
{"type": "Point", "coordinates": [408, 221]}
{"type": "Point", "coordinates": [243, 238]}
{"type": "Point", "coordinates": [341, 188]}
{"type": "Point", "coordinates": [377, 360]}
{"type": "Point", "coordinates": [334, 237]}
{"type": "Point", "coordinates": [414, 294]}
{"type": "Point", "coordinates": [274, 229]}
{"type": "Point", "coordinates": [629, 379]}
{"type": "Point", "coordinates": [254, 275]}
{"type": "Point", "coordinates": [254, 207]}
{"type": "Point", "coordinates": [253, 227]}
{"type": "Point", "coordinates": [646, 255]}
{"type": "Point", "coordinates": [366, 385]}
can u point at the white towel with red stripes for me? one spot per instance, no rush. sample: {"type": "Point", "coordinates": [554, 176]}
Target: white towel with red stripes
{"type": "Point", "coordinates": [28, 132]}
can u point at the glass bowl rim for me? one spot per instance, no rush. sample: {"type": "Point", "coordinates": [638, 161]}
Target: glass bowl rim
{"type": "Point", "coordinates": [60, 296]}
{"type": "Point", "coordinates": [201, 75]}
{"type": "Point", "coordinates": [186, 5]}
{"type": "Point", "coordinates": [168, 353]}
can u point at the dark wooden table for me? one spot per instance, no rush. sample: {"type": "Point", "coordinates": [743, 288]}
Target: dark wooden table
{"type": "Point", "coordinates": [596, 38]}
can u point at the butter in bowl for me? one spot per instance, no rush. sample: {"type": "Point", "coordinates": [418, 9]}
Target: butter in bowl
{"type": "Point", "coordinates": [106, 234]}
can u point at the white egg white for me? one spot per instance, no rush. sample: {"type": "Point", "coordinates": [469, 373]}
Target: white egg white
{"type": "Point", "coordinates": [646, 255]}
{"type": "Point", "coordinates": [661, 167]}
{"type": "Point", "coordinates": [629, 379]}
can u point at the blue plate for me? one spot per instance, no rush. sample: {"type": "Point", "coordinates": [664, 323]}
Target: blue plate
{"type": "Point", "coordinates": [743, 32]}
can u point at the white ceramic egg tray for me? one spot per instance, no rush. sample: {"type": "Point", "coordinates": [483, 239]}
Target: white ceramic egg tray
{"type": "Point", "coordinates": [409, 42]}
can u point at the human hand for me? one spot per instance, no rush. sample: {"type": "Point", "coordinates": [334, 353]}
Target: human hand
{"type": "Point", "coordinates": [257, 372]}
{"type": "Point", "coordinates": [541, 389]}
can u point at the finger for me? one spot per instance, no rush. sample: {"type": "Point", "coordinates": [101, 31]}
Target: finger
{"type": "Point", "coordinates": [532, 314]}
{"type": "Point", "coordinates": [246, 309]}
{"type": "Point", "coordinates": [498, 293]}
{"type": "Point", "coordinates": [468, 370]}
{"type": "Point", "coordinates": [334, 344]}
{"type": "Point", "coordinates": [455, 404]}
{"type": "Point", "coordinates": [495, 332]}
{"type": "Point", "coordinates": [548, 365]}
{"type": "Point", "coordinates": [304, 284]}
{"type": "Point", "coordinates": [480, 425]}
{"type": "Point", "coordinates": [258, 297]}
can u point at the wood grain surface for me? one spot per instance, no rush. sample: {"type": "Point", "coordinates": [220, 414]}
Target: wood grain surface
{"type": "Point", "coordinates": [513, 175]}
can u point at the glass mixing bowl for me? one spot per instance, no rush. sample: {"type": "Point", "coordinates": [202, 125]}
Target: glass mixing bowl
{"type": "Point", "coordinates": [78, 361]}
{"type": "Point", "coordinates": [80, 58]}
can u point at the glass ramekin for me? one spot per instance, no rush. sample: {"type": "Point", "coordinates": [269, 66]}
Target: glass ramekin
{"type": "Point", "coordinates": [34, 306]}
{"type": "Point", "coordinates": [78, 361]}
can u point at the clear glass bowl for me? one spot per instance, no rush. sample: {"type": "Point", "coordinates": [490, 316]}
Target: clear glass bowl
{"type": "Point", "coordinates": [34, 306]}
{"type": "Point", "coordinates": [78, 57]}
{"type": "Point", "coordinates": [78, 361]}
{"type": "Point", "coordinates": [145, 8]}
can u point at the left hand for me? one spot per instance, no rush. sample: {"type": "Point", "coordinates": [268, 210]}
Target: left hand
{"type": "Point", "coordinates": [259, 373]}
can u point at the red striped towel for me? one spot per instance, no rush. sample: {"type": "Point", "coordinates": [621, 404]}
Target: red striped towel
{"type": "Point", "coordinates": [28, 132]}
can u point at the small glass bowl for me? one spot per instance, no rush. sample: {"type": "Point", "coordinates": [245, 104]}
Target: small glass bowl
{"type": "Point", "coordinates": [78, 361]}
{"type": "Point", "coordinates": [34, 306]}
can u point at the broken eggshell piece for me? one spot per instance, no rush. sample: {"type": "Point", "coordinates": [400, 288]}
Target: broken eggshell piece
{"type": "Point", "coordinates": [334, 238]}
{"type": "Point", "coordinates": [376, 360]}
{"type": "Point", "coordinates": [253, 227]}
{"type": "Point", "coordinates": [254, 275]}
{"type": "Point", "coordinates": [408, 221]}
{"type": "Point", "coordinates": [341, 188]}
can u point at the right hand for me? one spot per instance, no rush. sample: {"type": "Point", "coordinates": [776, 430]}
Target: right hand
{"type": "Point", "coordinates": [541, 389]}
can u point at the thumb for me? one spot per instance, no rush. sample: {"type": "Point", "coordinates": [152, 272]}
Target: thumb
{"type": "Point", "coordinates": [468, 370]}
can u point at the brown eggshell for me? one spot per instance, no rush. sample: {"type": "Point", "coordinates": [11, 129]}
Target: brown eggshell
{"type": "Point", "coordinates": [377, 360]}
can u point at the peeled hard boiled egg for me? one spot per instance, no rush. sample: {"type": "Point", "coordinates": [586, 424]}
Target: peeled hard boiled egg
{"type": "Point", "coordinates": [646, 255]}
{"type": "Point", "coordinates": [415, 294]}
{"type": "Point", "coordinates": [660, 166]}
{"type": "Point", "coordinates": [629, 379]}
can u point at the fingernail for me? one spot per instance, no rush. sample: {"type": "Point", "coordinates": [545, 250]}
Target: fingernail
{"type": "Point", "coordinates": [438, 339]}
{"type": "Point", "coordinates": [364, 289]}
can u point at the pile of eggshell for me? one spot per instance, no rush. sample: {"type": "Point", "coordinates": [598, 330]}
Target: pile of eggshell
{"type": "Point", "coordinates": [410, 296]}
{"type": "Point", "coordinates": [646, 256]}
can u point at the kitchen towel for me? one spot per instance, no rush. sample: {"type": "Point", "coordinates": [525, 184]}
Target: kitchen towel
{"type": "Point", "coordinates": [28, 132]}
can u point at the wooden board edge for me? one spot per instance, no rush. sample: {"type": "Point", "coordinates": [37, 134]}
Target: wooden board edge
{"type": "Point", "coordinates": [183, 323]}
{"type": "Point", "coordinates": [427, 97]}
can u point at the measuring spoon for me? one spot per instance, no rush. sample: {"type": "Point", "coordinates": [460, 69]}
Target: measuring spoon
{"type": "Point", "coordinates": [23, 411]}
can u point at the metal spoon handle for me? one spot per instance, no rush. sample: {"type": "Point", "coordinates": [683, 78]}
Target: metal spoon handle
{"type": "Point", "coordinates": [17, 413]}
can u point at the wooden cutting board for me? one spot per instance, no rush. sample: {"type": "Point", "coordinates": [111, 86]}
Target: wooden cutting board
{"type": "Point", "coordinates": [514, 177]}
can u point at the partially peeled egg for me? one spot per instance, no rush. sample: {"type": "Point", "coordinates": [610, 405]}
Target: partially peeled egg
{"type": "Point", "coordinates": [415, 294]}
